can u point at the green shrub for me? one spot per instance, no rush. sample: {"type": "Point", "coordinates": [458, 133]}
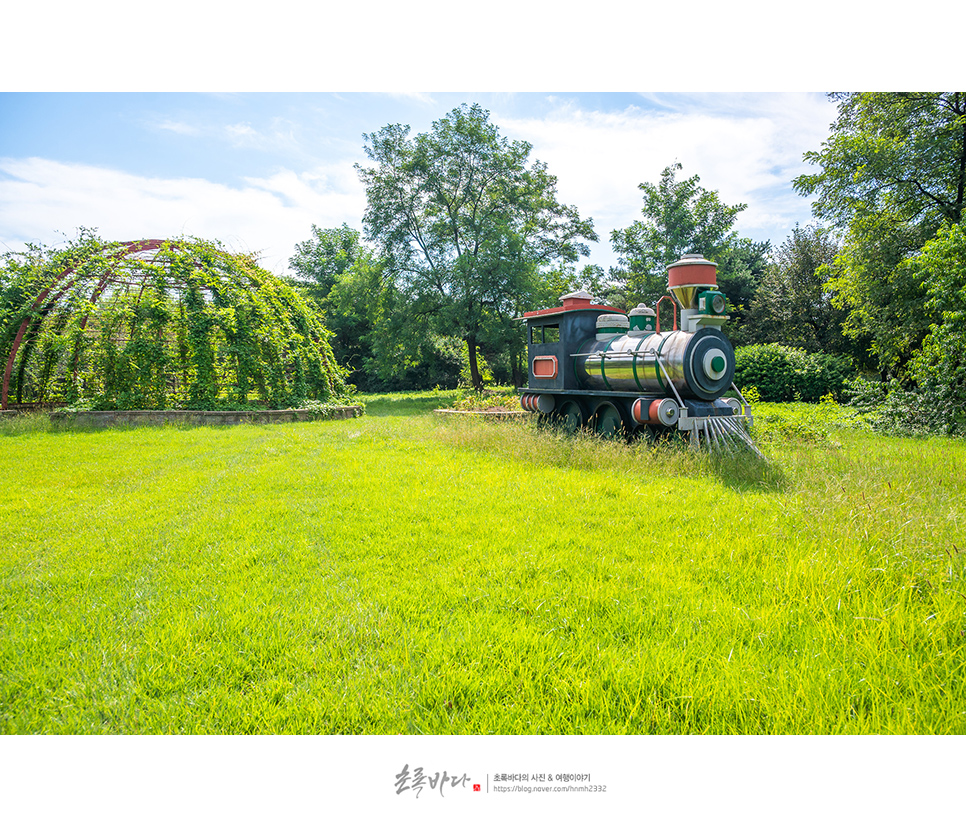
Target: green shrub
{"type": "Point", "coordinates": [803, 421]}
{"type": "Point", "coordinates": [893, 409]}
{"type": "Point", "coordinates": [504, 398]}
{"type": "Point", "coordinates": [785, 374]}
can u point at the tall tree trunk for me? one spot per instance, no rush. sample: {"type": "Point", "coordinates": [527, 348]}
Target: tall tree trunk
{"type": "Point", "coordinates": [475, 379]}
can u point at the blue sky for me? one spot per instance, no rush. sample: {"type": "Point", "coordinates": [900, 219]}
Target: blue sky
{"type": "Point", "coordinates": [256, 170]}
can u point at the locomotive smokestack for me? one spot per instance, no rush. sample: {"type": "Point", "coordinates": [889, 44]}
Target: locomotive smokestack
{"type": "Point", "coordinates": [689, 276]}
{"type": "Point", "coordinates": [693, 281]}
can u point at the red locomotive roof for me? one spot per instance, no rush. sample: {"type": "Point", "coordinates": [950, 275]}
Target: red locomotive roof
{"type": "Point", "coordinates": [575, 301]}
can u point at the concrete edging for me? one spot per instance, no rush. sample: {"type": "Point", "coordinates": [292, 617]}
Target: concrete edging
{"type": "Point", "coordinates": [102, 419]}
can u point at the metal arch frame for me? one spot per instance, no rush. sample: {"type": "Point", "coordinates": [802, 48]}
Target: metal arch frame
{"type": "Point", "coordinates": [130, 248]}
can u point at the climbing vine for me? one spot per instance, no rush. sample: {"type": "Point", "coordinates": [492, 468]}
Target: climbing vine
{"type": "Point", "coordinates": [159, 324]}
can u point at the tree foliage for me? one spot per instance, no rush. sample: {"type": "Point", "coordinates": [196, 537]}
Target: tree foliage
{"type": "Point", "coordinates": [375, 336]}
{"type": "Point", "coordinates": [897, 153]}
{"type": "Point", "coordinates": [466, 225]}
{"type": "Point", "coordinates": [939, 367]}
{"type": "Point", "coordinates": [793, 306]}
{"type": "Point", "coordinates": [681, 216]}
{"type": "Point", "coordinates": [322, 259]}
{"type": "Point", "coordinates": [891, 173]}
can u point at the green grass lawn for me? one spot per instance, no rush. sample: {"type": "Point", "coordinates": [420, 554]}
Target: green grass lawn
{"type": "Point", "coordinates": [405, 573]}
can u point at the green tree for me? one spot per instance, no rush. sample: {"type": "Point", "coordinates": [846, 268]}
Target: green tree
{"type": "Point", "coordinates": [681, 217]}
{"type": "Point", "coordinates": [466, 224]}
{"type": "Point", "coordinates": [375, 334]}
{"type": "Point", "coordinates": [320, 261]}
{"type": "Point", "coordinates": [939, 367]}
{"type": "Point", "coordinates": [379, 337]}
{"type": "Point", "coordinates": [339, 274]}
{"type": "Point", "coordinates": [892, 171]}
{"type": "Point", "coordinates": [793, 306]}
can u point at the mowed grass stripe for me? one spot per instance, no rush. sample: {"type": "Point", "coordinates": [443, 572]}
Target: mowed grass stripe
{"type": "Point", "coordinates": [398, 574]}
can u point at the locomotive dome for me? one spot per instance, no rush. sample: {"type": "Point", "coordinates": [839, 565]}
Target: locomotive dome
{"type": "Point", "coordinates": [154, 323]}
{"type": "Point", "coordinates": [612, 323]}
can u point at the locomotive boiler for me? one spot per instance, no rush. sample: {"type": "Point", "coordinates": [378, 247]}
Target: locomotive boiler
{"type": "Point", "coordinates": [594, 366]}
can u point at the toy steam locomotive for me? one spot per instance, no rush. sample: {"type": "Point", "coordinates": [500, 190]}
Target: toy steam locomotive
{"type": "Point", "coordinates": [593, 366]}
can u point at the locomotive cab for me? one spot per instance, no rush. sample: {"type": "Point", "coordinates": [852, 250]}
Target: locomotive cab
{"type": "Point", "coordinates": [551, 335]}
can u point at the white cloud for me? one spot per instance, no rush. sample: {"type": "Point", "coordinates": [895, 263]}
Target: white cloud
{"type": "Point", "coordinates": [177, 127]}
{"type": "Point", "coordinates": [280, 137]}
{"type": "Point", "coordinates": [40, 197]}
{"type": "Point", "coordinates": [241, 131]}
{"type": "Point", "coordinates": [746, 147]}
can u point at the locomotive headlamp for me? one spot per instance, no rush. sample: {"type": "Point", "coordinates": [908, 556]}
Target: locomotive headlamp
{"type": "Point", "coordinates": [715, 363]}
{"type": "Point", "coordinates": [712, 303]}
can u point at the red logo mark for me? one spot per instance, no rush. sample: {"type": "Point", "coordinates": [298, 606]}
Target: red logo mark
{"type": "Point", "coordinates": [476, 787]}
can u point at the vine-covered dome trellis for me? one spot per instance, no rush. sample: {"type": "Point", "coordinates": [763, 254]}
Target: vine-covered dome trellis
{"type": "Point", "coordinates": [153, 324]}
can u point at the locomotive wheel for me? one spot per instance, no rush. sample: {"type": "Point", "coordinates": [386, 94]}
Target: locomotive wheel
{"type": "Point", "coordinates": [645, 434]}
{"type": "Point", "coordinates": [570, 417]}
{"type": "Point", "coordinates": [608, 421]}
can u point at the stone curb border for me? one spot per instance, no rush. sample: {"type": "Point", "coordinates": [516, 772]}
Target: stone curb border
{"type": "Point", "coordinates": [102, 419]}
